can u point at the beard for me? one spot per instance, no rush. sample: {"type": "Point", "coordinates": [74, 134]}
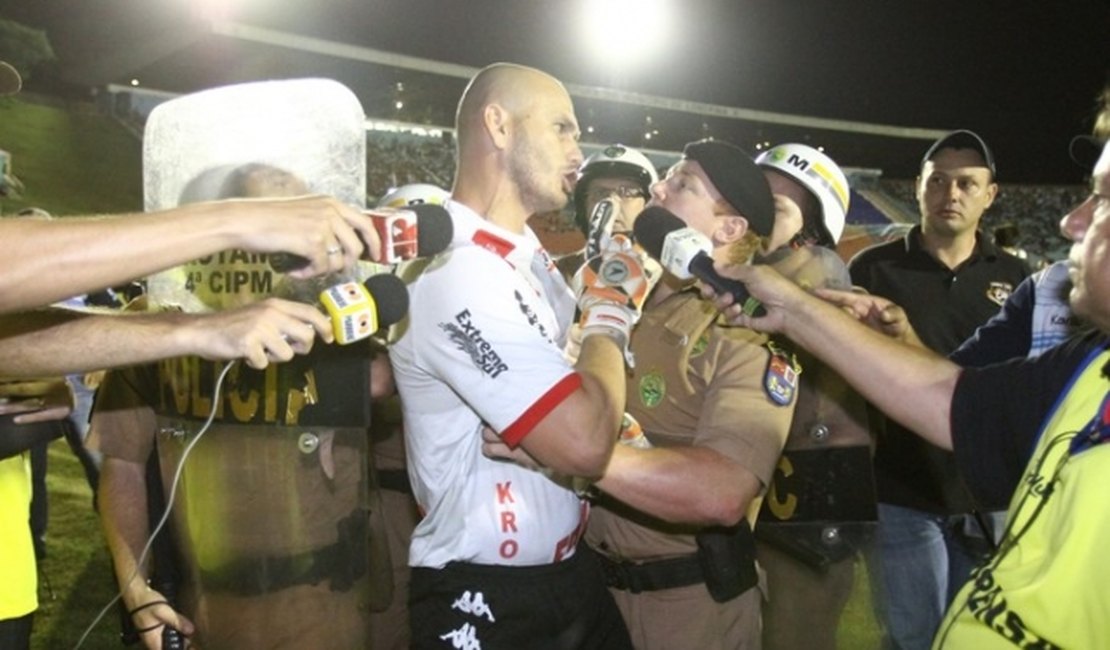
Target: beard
{"type": "Point", "coordinates": [524, 164]}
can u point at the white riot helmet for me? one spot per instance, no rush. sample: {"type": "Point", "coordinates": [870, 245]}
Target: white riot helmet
{"type": "Point", "coordinates": [614, 161]}
{"type": "Point", "coordinates": [414, 194]}
{"type": "Point", "coordinates": [818, 174]}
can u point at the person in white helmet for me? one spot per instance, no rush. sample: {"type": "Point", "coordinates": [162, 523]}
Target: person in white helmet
{"type": "Point", "coordinates": [820, 506]}
{"type": "Point", "coordinates": [618, 173]}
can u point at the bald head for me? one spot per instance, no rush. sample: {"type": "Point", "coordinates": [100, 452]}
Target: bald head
{"type": "Point", "coordinates": [508, 85]}
{"type": "Point", "coordinates": [517, 139]}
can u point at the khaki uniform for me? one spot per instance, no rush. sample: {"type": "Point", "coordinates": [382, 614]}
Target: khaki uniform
{"type": "Point", "coordinates": [270, 516]}
{"type": "Point", "coordinates": [696, 383]}
{"type": "Point", "coordinates": [392, 519]}
{"type": "Point", "coordinates": [819, 510]}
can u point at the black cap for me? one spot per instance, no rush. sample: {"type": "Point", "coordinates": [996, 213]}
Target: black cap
{"type": "Point", "coordinates": [962, 139]}
{"type": "Point", "coordinates": [739, 180]}
{"type": "Point", "coordinates": [1085, 150]}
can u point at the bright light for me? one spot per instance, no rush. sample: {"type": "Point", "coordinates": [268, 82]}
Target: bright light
{"type": "Point", "coordinates": [625, 35]}
{"type": "Point", "coordinates": [134, 82]}
{"type": "Point", "coordinates": [398, 104]}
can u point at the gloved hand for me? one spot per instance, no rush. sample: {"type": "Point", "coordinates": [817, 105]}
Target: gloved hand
{"type": "Point", "coordinates": [600, 226]}
{"type": "Point", "coordinates": [611, 289]}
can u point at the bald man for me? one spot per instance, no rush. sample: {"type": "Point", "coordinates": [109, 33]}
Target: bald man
{"type": "Point", "coordinates": [494, 559]}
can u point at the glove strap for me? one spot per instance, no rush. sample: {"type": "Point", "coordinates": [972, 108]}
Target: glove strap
{"type": "Point", "coordinates": [611, 320]}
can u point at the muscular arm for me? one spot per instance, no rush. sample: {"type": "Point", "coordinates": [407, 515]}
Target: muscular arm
{"type": "Point", "coordinates": [910, 384]}
{"type": "Point", "coordinates": [692, 485]}
{"type": "Point", "coordinates": [577, 437]}
{"type": "Point", "coordinates": [55, 342]}
{"type": "Point", "coordinates": [47, 261]}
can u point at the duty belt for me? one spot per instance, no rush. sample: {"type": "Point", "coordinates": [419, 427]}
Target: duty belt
{"type": "Point", "coordinates": [636, 577]}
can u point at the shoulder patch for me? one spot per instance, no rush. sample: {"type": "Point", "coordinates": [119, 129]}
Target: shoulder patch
{"type": "Point", "coordinates": [781, 377]}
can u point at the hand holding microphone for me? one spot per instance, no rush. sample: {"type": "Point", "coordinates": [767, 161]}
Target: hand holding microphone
{"type": "Point", "coordinates": [686, 253]}
{"type": "Point", "coordinates": [415, 231]}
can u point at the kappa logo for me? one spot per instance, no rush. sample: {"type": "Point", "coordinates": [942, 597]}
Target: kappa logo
{"type": "Point", "coordinates": [530, 314]}
{"type": "Point", "coordinates": [998, 292]}
{"type": "Point", "coordinates": [464, 638]}
{"type": "Point", "coordinates": [475, 605]}
{"type": "Point", "coordinates": [468, 338]}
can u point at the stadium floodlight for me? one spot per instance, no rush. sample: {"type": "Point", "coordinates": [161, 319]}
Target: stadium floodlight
{"type": "Point", "coordinates": [624, 36]}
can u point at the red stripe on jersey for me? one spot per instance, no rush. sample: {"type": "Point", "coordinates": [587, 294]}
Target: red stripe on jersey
{"type": "Point", "coordinates": [516, 431]}
{"type": "Point", "coordinates": [492, 242]}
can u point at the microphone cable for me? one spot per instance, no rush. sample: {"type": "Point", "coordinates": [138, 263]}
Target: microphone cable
{"type": "Point", "coordinates": [169, 505]}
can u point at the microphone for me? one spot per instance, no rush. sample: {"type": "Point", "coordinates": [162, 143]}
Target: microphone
{"type": "Point", "coordinates": [685, 252]}
{"type": "Point", "coordinates": [414, 231]}
{"type": "Point", "coordinates": [357, 309]}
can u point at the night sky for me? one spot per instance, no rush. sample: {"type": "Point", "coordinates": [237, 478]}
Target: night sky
{"type": "Point", "coordinates": [1023, 74]}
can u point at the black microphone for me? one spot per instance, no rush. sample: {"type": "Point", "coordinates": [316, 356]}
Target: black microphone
{"type": "Point", "coordinates": [357, 309]}
{"type": "Point", "coordinates": [419, 230]}
{"type": "Point", "coordinates": [686, 253]}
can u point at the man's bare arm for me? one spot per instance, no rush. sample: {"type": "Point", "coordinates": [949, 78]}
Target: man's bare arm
{"type": "Point", "coordinates": [55, 342]}
{"type": "Point", "coordinates": [911, 384]}
{"type": "Point", "coordinates": [47, 261]}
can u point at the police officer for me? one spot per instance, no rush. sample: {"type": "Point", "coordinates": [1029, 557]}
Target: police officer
{"type": "Point", "coordinates": [821, 504]}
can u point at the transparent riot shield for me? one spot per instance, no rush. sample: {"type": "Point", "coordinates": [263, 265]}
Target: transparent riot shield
{"type": "Point", "coordinates": [270, 513]}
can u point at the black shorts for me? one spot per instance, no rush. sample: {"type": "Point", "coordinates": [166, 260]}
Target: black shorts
{"type": "Point", "coordinates": [560, 606]}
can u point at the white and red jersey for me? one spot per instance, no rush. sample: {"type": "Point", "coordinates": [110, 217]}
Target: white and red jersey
{"type": "Point", "coordinates": [482, 345]}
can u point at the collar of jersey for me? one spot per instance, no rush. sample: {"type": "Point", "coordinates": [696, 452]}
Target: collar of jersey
{"type": "Point", "coordinates": [470, 229]}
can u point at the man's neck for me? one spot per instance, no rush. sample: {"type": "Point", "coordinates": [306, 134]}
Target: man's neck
{"type": "Point", "coordinates": [950, 251]}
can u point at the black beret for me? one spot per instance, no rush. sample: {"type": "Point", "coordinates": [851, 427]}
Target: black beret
{"type": "Point", "coordinates": [739, 180]}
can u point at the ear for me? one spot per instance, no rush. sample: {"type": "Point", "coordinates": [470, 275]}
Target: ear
{"type": "Point", "coordinates": [497, 122]}
{"type": "Point", "coordinates": [729, 229]}
{"type": "Point", "coordinates": [992, 191]}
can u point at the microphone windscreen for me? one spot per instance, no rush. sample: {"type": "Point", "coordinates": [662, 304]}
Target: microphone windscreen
{"type": "Point", "coordinates": [652, 227]}
{"type": "Point", "coordinates": [434, 229]}
{"type": "Point", "coordinates": [391, 297]}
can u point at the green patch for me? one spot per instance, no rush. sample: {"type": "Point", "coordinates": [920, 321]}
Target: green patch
{"type": "Point", "coordinates": [652, 389]}
{"type": "Point", "coordinates": [700, 345]}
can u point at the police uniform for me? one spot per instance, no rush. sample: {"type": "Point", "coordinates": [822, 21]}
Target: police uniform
{"type": "Point", "coordinates": [271, 510]}
{"type": "Point", "coordinates": [393, 516]}
{"type": "Point", "coordinates": [1046, 585]}
{"type": "Point", "coordinates": [818, 513]}
{"type": "Point", "coordinates": [696, 383]}
{"type": "Point", "coordinates": [494, 559]}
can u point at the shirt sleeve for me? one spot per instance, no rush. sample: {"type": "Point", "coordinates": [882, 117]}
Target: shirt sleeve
{"type": "Point", "coordinates": [494, 344]}
{"type": "Point", "coordinates": [998, 412]}
{"type": "Point", "coordinates": [738, 418]}
{"type": "Point", "coordinates": [1005, 336]}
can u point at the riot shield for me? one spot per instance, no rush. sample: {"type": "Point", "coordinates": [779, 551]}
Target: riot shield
{"type": "Point", "coordinates": [271, 507]}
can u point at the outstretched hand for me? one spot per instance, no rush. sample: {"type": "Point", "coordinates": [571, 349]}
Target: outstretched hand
{"type": "Point", "coordinates": [878, 313]}
{"type": "Point", "coordinates": [269, 331]}
{"type": "Point", "coordinates": [323, 230]}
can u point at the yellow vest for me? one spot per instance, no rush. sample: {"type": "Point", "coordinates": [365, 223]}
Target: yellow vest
{"type": "Point", "coordinates": [18, 580]}
{"type": "Point", "coordinates": [1048, 586]}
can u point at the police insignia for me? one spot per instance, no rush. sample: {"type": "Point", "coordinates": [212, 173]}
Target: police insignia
{"type": "Point", "coordinates": [781, 379]}
{"type": "Point", "coordinates": [998, 292]}
{"type": "Point", "coordinates": [652, 389]}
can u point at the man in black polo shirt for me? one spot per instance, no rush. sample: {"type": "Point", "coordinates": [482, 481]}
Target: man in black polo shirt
{"type": "Point", "coordinates": [950, 279]}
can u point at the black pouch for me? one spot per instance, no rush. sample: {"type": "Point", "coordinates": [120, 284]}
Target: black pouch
{"type": "Point", "coordinates": [727, 559]}
{"type": "Point", "coordinates": [18, 438]}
